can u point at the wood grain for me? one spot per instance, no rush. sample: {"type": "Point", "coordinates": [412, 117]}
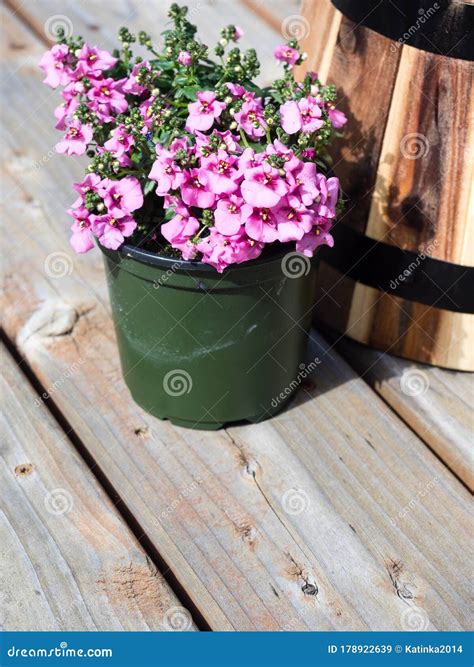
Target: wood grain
{"type": "Point", "coordinates": [68, 560]}
{"type": "Point", "coordinates": [406, 166]}
{"type": "Point", "coordinates": [333, 515]}
{"type": "Point", "coordinates": [436, 403]}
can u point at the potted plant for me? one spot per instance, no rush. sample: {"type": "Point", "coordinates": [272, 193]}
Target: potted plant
{"type": "Point", "coordinates": [208, 198]}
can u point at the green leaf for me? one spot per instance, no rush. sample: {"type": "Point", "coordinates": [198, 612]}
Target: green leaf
{"type": "Point", "coordinates": [149, 187]}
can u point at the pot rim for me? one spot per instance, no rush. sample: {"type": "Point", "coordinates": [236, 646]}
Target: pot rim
{"type": "Point", "coordinates": [143, 256]}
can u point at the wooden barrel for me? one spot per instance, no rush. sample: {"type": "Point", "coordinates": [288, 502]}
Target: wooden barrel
{"type": "Point", "coordinates": [400, 277]}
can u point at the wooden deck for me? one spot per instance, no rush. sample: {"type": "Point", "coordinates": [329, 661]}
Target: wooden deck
{"type": "Point", "coordinates": [349, 511]}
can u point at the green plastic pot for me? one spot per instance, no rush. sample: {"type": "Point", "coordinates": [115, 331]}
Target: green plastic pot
{"type": "Point", "coordinates": [204, 349]}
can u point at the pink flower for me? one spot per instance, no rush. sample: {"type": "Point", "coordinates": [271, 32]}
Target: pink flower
{"type": "Point", "coordinates": [319, 236]}
{"type": "Point", "coordinates": [230, 214]}
{"type": "Point", "coordinates": [228, 141]}
{"type": "Point", "coordinates": [304, 184]}
{"type": "Point", "coordinates": [221, 251]}
{"type": "Point", "coordinates": [131, 86]}
{"type": "Point", "coordinates": [261, 225]}
{"type": "Point", "coordinates": [337, 118]}
{"type": "Point", "coordinates": [263, 186]}
{"type": "Point", "coordinates": [220, 173]}
{"type": "Point", "coordinates": [112, 231]}
{"type": "Point", "coordinates": [180, 230]}
{"type": "Point", "coordinates": [92, 61]}
{"type": "Point", "coordinates": [236, 90]}
{"type": "Point", "coordinates": [76, 139]}
{"type": "Point", "coordinates": [166, 172]}
{"type": "Point", "coordinates": [250, 118]}
{"type": "Point", "coordinates": [91, 183]}
{"type": "Point", "coordinates": [55, 64]}
{"type": "Point", "coordinates": [184, 58]}
{"type": "Point", "coordinates": [146, 112]}
{"type": "Point", "coordinates": [238, 33]}
{"type": "Point", "coordinates": [286, 54]}
{"type": "Point", "coordinates": [106, 98]}
{"type": "Point", "coordinates": [121, 197]}
{"type": "Point", "coordinates": [329, 193]}
{"type": "Point", "coordinates": [302, 115]}
{"type": "Point", "coordinates": [292, 223]}
{"type": "Point", "coordinates": [81, 239]}
{"type": "Point", "coordinates": [119, 144]}
{"type": "Point", "coordinates": [203, 113]}
{"type": "Point", "coordinates": [63, 112]}
{"type": "Point", "coordinates": [194, 193]}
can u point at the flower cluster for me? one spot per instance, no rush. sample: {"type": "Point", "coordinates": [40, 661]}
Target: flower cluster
{"type": "Point", "coordinates": [189, 156]}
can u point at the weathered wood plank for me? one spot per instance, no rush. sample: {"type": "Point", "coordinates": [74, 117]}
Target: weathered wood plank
{"type": "Point", "coordinates": [436, 403]}
{"type": "Point", "coordinates": [99, 22]}
{"type": "Point", "coordinates": [68, 560]}
{"type": "Point", "coordinates": [281, 15]}
{"type": "Point", "coordinates": [254, 521]}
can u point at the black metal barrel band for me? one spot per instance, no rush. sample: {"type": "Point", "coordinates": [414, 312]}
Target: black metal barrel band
{"type": "Point", "coordinates": [444, 27]}
{"type": "Point", "coordinates": [409, 275]}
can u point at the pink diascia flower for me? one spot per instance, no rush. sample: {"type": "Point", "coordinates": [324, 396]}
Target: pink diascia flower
{"type": "Point", "coordinates": [203, 113]}
{"type": "Point", "coordinates": [92, 61]}
{"type": "Point", "coordinates": [316, 237]}
{"type": "Point", "coordinates": [119, 145]}
{"type": "Point", "coordinates": [180, 230]}
{"type": "Point", "coordinates": [131, 85]}
{"type": "Point", "coordinates": [121, 197]}
{"type": "Point", "coordinates": [81, 239]}
{"type": "Point", "coordinates": [286, 54]}
{"type": "Point", "coordinates": [337, 118]}
{"type": "Point", "coordinates": [220, 173]}
{"type": "Point", "coordinates": [194, 193]}
{"type": "Point", "coordinates": [303, 115]}
{"type": "Point", "coordinates": [221, 251]}
{"type": "Point", "coordinates": [263, 186]}
{"type": "Point", "coordinates": [165, 171]}
{"type": "Point", "coordinates": [91, 183]}
{"type": "Point", "coordinates": [184, 58]}
{"type": "Point", "coordinates": [250, 117]}
{"type": "Point", "coordinates": [230, 214]}
{"type": "Point", "coordinates": [63, 112]}
{"type": "Point", "coordinates": [76, 139]}
{"type": "Point", "coordinates": [112, 231]}
{"type": "Point", "coordinates": [106, 98]}
{"type": "Point", "coordinates": [55, 64]}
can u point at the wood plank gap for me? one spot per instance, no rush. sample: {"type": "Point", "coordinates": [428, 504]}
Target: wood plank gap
{"type": "Point", "coordinates": [29, 23]}
{"type": "Point", "coordinates": [266, 15]}
{"type": "Point", "coordinates": [130, 520]}
{"type": "Point", "coordinates": [333, 336]}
